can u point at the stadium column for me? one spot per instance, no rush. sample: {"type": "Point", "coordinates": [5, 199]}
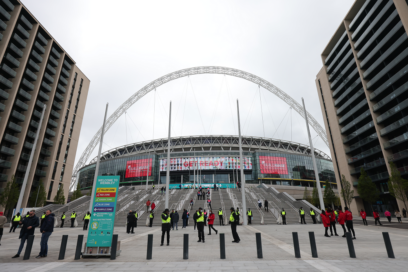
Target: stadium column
{"type": "Point", "coordinates": [242, 170]}
{"type": "Point", "coordinates": [166, 206]}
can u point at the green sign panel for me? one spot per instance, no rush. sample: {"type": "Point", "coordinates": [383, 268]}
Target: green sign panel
{"type": "Point", "coordinates": [100, 230]}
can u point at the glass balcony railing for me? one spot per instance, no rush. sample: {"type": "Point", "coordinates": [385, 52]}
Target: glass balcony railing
{"type": "Point", "coordinates": [8, 70]}
{"type": "Point", "coordinates": [339, 55]}
{"type": "Point", "coordinates": [385, 86]}
{"type": "Point", "coordinates": [350, 78]}
{"type": "Point", "coordinates": [34, 124]}
{"type": "Point", "coordinates": [52, 123]}
{"type": "Point", "coordinates": [20, 42]}
{"type": "Point", "coordinates": [344, 72]}
{"type": "Point", "coordinates": [48, 78]}
{"type": "Point", "coordinates": [37, 113]}
{"type": "Point", "coordinates": [5, 164]}
{"type": "Point", "coordinates": [24, 33]}
{"type": "Point", "coordinates": [401, 90]}
{"type": "Point", "coordinates": [12, 61]}
{"type": "Point", "coordinates": [10, 138]}
{"type": "Point", "coordinates": [28, 145]}
{"type": "Point", "coordinates": [356, 108]}
{"type": "Point", "coordinates": [3, 177]}
{"type": "Point", "coordinates": [53, 62]}
{"type": "Point", "coordinates": [397, 140]}
{"type": "Point", "coordinates": [4, 14]}
{"type": "Point", "coordinates": [31, 75]}
{"type": "Point", "coordinates": [357, 95]}
{"type": "Point", "coordinates": [15, 50]}
{"type": "Point", "coordinates": [358, 132]}
{"type": "Point", "coordinates": [2, 107]}
{"type": "Point", "coordinates": [34, 65]}
{"type": "Point", "coordinates": [31, 134]}
{"type": "Point", "coordinates": [45, 152]}
{"type": "Point", "coordinates": [18, 115]}
{"type": "Point", "coordinates": [367, 166]}
{"type": "Point", "coordinates": [5, 82]}
{"type": "Point", "coordinates": [365, 154]}
{"type": "Point", "coordinates": [40, 173]}
{"type": "Point", "coordinates": [14, 127]}
{"type": "Point", "coordinates": [23, 106]}
{"type": "Point", "coordinates": [61, 88]}
{"type": "Point", "coordinates": [41, 39]}
{"type": "Point", "coordinates": [63, 81]}
{"type": "Point", "coordinates": [48, 142]}
{"type": "Point", "coordinates": [43, 162]}
{"type": "Point", "coordinates": [39, 47]}
{"type": "Point", "coordinates": [51, 69]}
{"type": "Point", "coordinates": [22, 168]}
{"type": "Point", "coordinates": [50, 132]}
{"type": "Point", "coordinates": [40, 104]}
{"type": "Point", "coordinates": [3, 95]}
{"type": "Point", "coordinates": [393, 111]}
{"type": "Point", "coordinates": [28, 84]}
{"type": "Point", "coordinates": [55, 114]}
{"type": "Point", "coordinates": [339, 68]}
{"type": "Point", "coordinates": [59, 97]}
{"type": "Point", "coordinates": [397, 156]}
{"type": "Point", "coordinates": [403, 170]}
{"type": "Point", "coordinates": [3, 25]}
{"type": "Point", "coordinates": [46, 87]}
{"type": "Point", "coordinates": [55, 53]}
{"type": "Point", "coordinates": [356, 121]}
{"type": "Point", "coordinates": [44, 96]}
{"type": "Point", "coordinates": [381, 176]}
{"type": "Point", "coordinates": [65, 73]}
{"type": "Point", "coordinates": [36, 56]}
{"type": "Point", "coordinates": [25, 157]}
{"type": "Point", "coordinates": [67, 65]}
{"type": "Point", "coordinates": [26, 22]}
{"type": "Point", "coordinates": [394, 126]}
{"type": "Point", "coordinates": [57, 105]}
{"type": "Point", "coordinates": [7, 151]}
{"type": "Point", "coordinates": [25, 96]}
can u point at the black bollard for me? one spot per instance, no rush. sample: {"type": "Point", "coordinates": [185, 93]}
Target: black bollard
{"type": "Point", "coordinates": [313, 244]}
{"type": "Point", "coordinates": [29, 246]}
{"type": "Point", "coordinates": [149, 246]}
{"type": "Point", "coordinates": [78, 247]}
{"type": "Point", "coordinates": [296, 244]}
{"type": "Point", "coordinates": [185, 247]}
{"type": "Point", "coordinates": [259, 245]}
{"type": "Point", "coordinates": [222, 245]}
{"type": "Point", "coordinates": [63, 248]}
{"type": "Point", "coordinates": [350, 245]}
{"type": "Point", "coordinates": [388, 245]}
{"type": "Point", "coordinates": [114, 247]}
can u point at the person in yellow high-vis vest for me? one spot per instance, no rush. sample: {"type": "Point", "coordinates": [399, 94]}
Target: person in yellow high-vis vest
{"type": "Point", "coordinates": [313, 215]}
{"type": "Point", "coordinates": [302, 216]}
{"type": "Point", "coordinates": [220, 217]}
{"type": "Point", "coordinates": [136, 218]}
{"type": "Point", "coordinates": [200, 225]}
{"type": "Point", "coordinates": [151, 216]}
{"type": "Point", "coordinates": [234, 221]}
{"type": "Point", "coordinates": [14, 222]}
{"type": "Point", "coordinates": [249, 213]}
{"type": "Point", "coordinates": [86, 219]}
{"type": "Point", "coordinates": [63, 216]}
{"type": "Point", "coordinates": [283, 213]}
{"type": "Point", "coordinates": [73, 216]}
{"type": "Point", "coordinates": [165, 217]}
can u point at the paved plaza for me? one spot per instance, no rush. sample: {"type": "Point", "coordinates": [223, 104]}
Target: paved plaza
{"type": "Point", "coordinates": [277, 245]}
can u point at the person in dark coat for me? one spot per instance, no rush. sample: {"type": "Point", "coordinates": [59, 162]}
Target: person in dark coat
{"type": "Point", "coordinates": [171, 219]}
{"type": "Point", "coordinates": [195, 219]}
{"type": "Point", "coordinates": [165, 217]}
{"type": "Point", "coordinates": [130, 222]}
{"type": "Point", "coordinates": [28, 226]}
{"type": "Point", "coordinates": [266, 205]}
{"type": "Point", "coordinates": [184, 217]}
{"type": "Point", "coordinates": [47, 227]}
{"type": "Point", "coordinates": [175, 219]}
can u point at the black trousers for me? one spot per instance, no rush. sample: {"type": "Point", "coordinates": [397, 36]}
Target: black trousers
{"type": "Point", "coordinates": [211, 227]}
{"type": "Point", "coordinates": [377, 220]}
{"type": "Point", "coordinates": [151, 222]}
{"type": "Point", "coordinates": [302, 219]}
{"type": "Point", "coordinates": [129, 228]}
{"type": "Point", "coordinates": [283, 220]}
{"type": "Point", "coordinates": [333, 226]}
{"type": "Point", "coordinates": [168, 235]}
{"type": "Point", "coordinates": [195, 224]}
{"type": "Point", "coordinates": [344, 229]}
{"type": "Point", "coordinates": [325, 231]}
{"type": "Point", "coordinates": [200, 227]}
{"type": "Point", "coordinates": [389, 219]}
{"type": "Point", "coordinates": [221, 221]}
{"type": "Point", "coordinates": [249, 219]}
{"type": "Point", "coordinates": [72, 222]}
{"type": "Point", "coordinates": [14, 225]}
{"type": "Point", "coordinates": [350, 227]}
{"type": "Point", "coordinates": [62, 223]}
{"type": "Point", "coordinates": [365, 222]}
{"type": "Point", "coordinates": [136, 224]}
{"type": "Point", "coordinates": [314, 218]}
{"type": "Point", "coordinates": [234, 232]}
{"type": "Point", "coordinates": [86, 222]}
{"type": "Point", "coordinates": [1, 233]}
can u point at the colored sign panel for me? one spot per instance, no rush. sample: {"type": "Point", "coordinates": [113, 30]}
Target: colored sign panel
{"type": "Point", "coordinates": [273, 165]}
{"type": "Point", "coordinates": [205, 163]}
{"type": "Point", "coordinates": [204, 185]}
{"type": "Point", "coordinates": [100, 230]}
{"type": "Point", "coordinates": [138, 168]}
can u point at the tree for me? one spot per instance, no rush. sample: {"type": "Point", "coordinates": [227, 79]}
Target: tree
{"type": "Point", "coordinates": [77, 193]}
{"type": "Point", "coordinates": [346, 191]}
{"type": "Point", "coordinates": [38, 196]}
{"type": "Point", "coordinates": [315, 196]}
{"type": "Point", "coordinates": [306, 195]}
{"type": "Point", "coordinates": [90, 191]}
{"type": "Point", "coordinates": [9, 195]}
{"type": "Point", "coordinates": [366, 188]}
{"type": "Point", "coordinates": [329, 195]}
{"type": "Point", "coordinates": [59, 197]}
{"type": "Point", "coordinates": [397, 185]}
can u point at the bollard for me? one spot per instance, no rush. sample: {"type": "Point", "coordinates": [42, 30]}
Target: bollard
{"type": "Point", "coordinates": [78, 247]}
{"type": "Point", "coordinates": [63, 248]}
{"type": "Point", "coordinates": [222, 245]}
{"type": "Point", "coordinates": [27, 253]}
{"type": "Point", "coordinates": [259, 245]}
{"type": "Point", "coordinates": [388, 245]}
{"type": "Point", "coordinates": [350, 245]}
{"type": "Point", "coordinates": [313, 244]}
{"type": "Point", "coordinates": [185, 247]}
{"type": "Point", "coordinates": [149, 246]}
{"type": "Point", "coordinates": [296, 244]}
{"type": "Point", "coordinates": [114, 247]}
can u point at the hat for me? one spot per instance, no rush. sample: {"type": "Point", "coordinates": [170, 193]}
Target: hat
{"type": "Point", "coordinates": [166, 210]}
{"type": "Point", "coordinates": [232, 208]}
{"type": "Point", "coordinates": [200, 208]}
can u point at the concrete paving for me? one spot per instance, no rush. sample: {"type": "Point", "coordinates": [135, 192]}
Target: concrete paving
{"type": "Point", "coordinates": [277, 244]}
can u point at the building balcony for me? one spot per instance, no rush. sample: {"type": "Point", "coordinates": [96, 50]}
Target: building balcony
{"type": "Point", "coordinates": [3, 95]}
{"type": "Point", "coordinates": [40, 104]}
{"type": "Point", "coordinates": [39, 47]}
{"type": "Point", "coordinates": [67, 65]}
{"type": "Point", "coordinates": [356, 121]}
{"type": "Point", "coordinates": [36, 56]}
{"type": "Point", "coordinates": [23, 106]}
{"type": "Point", "coordinates": [18, 115]}
{"type": "Point", "coordinates": [55, 114]}
{"type": "Point", "coordinates": [31, 75]}
{"type": "Point", "coordinates": [358, 132]}
{"type": "Point", "coordinates": [340, 67]}
{"type": "Point", "coordinates": [358, 95]}
{"type": "Point", "coordinates": [365, 154]}
{"type": "Point", "coordinates": [3, 25]}
{"type": "Point", "coordinates": [367, 166]}
{"type": "Point", "coordinates": [44, 96]}
{"type": "Point", "coordinates": [10, 72]}
{"type": "Point", "coordinates": [396, 141]}
{"type": "Point", "coordinates": [8, 5]}
{"type": "Point", "coordinates": [392, 112]}
{"type": "Point", "coordinates": [63, 81]}
{"type": "Point", "coordinates": [31, 134]}
{"type": "Point", "coordinates": [386, 85]}
{"type": "Point", "coordinates": [19, 41]}
{"type": "Point", "coordinates": [379, 177]}
{"type": "Point", "coordinates": [398, 156]}
{"type": "Point", "coordinates": [24, 95]}
{"type": "Point", "coordinates": [13, 63]}
{"type": "Point", "coordinates": [344, 72]}
{"type": "Point", "coordinates": [396, 125]}
{"type": "Point", "coordinates": [48, 78]}
{"type": "Point", "coordinates": [51, 69]}
{"type": "Point", "coordinates": [28, 84]}
{"type": "Point", "coordinates": [403, 170]}
{"type": "Point", "coordinates": [46, 87]}
{"type": "Point", "coordinates": [5, 164]}
{"type": "Point", "coordinates": [59, 97]}
{"type": "Point", "coordinates": [7, 151]}
{"type": "Point", "coordinates": [55, 53]}
{"type": "Point", "coordinates": [48, 142]}
{"type": "Point", "coordinates": [37, 113]}
{"type": "Point", "coordinates": [52, 123]}
{"type": "Point", "coordinates": [22, 168]}
{"type": "Point", "coordinates": [4, 15]}
{"type": "Point", "coordinates": [53, 62]}
{"type": "Point", "coordinates": [50, 132]}
{"type": "Point", "coordinates": [40, 173]}
{"type": "Point", "coordinates": [11, 139]}
{"type": "Point", "coordinates": [65, 73]}
{"type": "Point", "coordinates": [26, 22]}
{"type": "Point", "coordinates": [354, 110]}
{"type": "Point", "coordinates": [61, 88]}
{"type": "Point", "coordinates": [352, 77]}
{"type": "Point", "coordinates": [3, 177]}
{"type": "Point", "coordinates": [391, 97]}
{"type": "Point", "coordinates": [339, 55]}
{"type": "Point", "coordinates": [28, 145]}
{"type": "Point", "coordinates": [2, 107]}
{"type": "Point", "coordinates": [14, 127]}
{"type": "Point", "coordinates": [43, 162]}
{"type": "Point", "coordinates": [15, 50]}
{"type": "Point", "coordinates": [57, 105]}
{"type": "Point", "coordinates": [45, 152]}
{"type": "Point", "coordinates": [25, 157]}
{"type": "Point", "coordinates": [24, 33]}
{"type": "Point", "coordinates": [41, 39]}
{"type": "Point", "coordinates": [7, 84]}
{"type": "Point", "coordinates": [34, 124]}
{"type": "Point", "coordinates": [34, 65]}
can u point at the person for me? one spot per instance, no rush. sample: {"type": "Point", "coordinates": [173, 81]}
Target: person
{"type": "Point", "coordinates": [302, 216]}
{"type": "Point", "coordinates": [364, 216]}
{"type": "Point", "coordinates": [165, 217]}
{"type": "Point", "coordinates": [220, 217]}
{"type": "Point", "coordinates": [388, 215]}
{"type": "Point", "coordinates": [130, 222]}
{"type": "Point", "coordinates": [136, 218]}
{"type": "Point", "coordinates": [259, 203]}
{"type": "Point", "coordinates": [404, 212]}
{"type": "Point", "coordinates": [42, 218]}
{"type": "Point", "coordinates": [200, 225]}
{"type": "Point", "coordinates": [205, 218]}
{"type": "Point", "coordinates": [283, 214]}
{"type": "Point", "coordinates": [46, 229]}
{"type": "Point", "coordinates": [341, 220]}
{"type": "Point", "coordinates": [153, 206]}
{"type": "Point", "coordinates": [313, 215]}
{"type": "Point", "coordinates": [195, 219]}
{"type": "Point", "coordinates": [336, 214]}
{"type": "Point", "coordinates": [14, 222]}
{"type": "Point", "coordinates": [180, 186]}
{"type": "Point", "coordinates": [171, 219]}
{"type": "Point", "coordinates": [191, 203]}
{"type": "Point", "coordinates": [376, 217]}
{"type": "Point", "coordinates": [151, 216]}
{"type": "Point", "coordinates": [208, 195]}
{"type": "Point", "coordinates": [86, 219]}
{"type": "Point", "coordinates": [188, 216]}
{"type": "Point", "coordinates": [332, 218]}
{"type": "Point", "coordinates": [175, 219]}
{"type": "Point", "coordinates": [153, 186]}
{"type": "Point", "coordinates": [239, 186]}
{"type": "Point", "coordinates": [3, 220]}
{"type": "Point", "coordinates": [62, 219]}
{"type": "Point", "coordinates": [398, 216]}
{"type": "Point", "coordinates": [73, 216]}
{"type": "Point", "coordinates": [184, 217]}
{"type": "Point", "coordinates": [198, 195]}
{"type": "Point", "coordinates": [238, 213]}
{"type": "Point", "coordinates": [266, 205]}
{"type": "Point", "coordinates": [28, 227]}
{"type": "Point", "coordinates": [349, 222]}
{"type": "Point", "coordinates": [326, 222]}
{"type": "Point", "coordinates": [249, 213]}
{"type": "Point", "coordinates": [147, 205]}
{"type": "Point", "coordinates": [28, 214]}
{"type": "Point", "coordinates": [234, 221]}
{"type": "Point", "coordinates": [209, 203]}
{"type": "Point", "coordinates": [211, 218]}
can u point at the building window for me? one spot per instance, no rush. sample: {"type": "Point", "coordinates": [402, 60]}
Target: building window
{"type": "Point", "coordinates": [62, 172]}
{"type": "Point", "coordinates": [55, 170]}
{"type": "Point", "coordinates": [50, 190]}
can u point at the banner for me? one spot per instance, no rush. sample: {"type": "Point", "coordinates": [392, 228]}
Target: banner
{"type": "Point", "coordinates": [205, 163]}
{"type": "Point", "coordinates": [138, 168]}
{"type": "Point", "coordinates": [100, 230]}
{"type": "Point", "coordinates": [273, 165]}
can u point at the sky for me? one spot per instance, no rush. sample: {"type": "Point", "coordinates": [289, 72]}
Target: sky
{"type": "Point", "coordinates": [121, 46]}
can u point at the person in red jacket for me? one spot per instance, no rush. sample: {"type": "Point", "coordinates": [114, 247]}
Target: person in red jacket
{"type": "Point", "coordinates": [364, 216]}
{"type": "Point", "coordinates": [326, 222]}
{"type": "Point", "coordinates": [349, 221]}
{"type": "Point", "coordinates": [342, 219]}
{"type": "Point", "coordinates": [332, 216]}
{"type": "Point", "coordinates": [210, 219]}
{"type": "Point", "coordinates": [377, 217]}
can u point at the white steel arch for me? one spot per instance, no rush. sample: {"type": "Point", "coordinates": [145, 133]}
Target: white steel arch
{"type": "Point", "coordinates": [189, 72]}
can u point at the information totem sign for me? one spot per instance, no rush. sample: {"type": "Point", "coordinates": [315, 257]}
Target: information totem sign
{"type": "Point", "coordinates": [100, 230]}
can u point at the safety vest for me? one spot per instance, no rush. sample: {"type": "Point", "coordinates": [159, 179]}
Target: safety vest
{"type": "Point", "coordinates": [63, 216]}
{"type": "Point", "coordinates": [87, 217]}
{"type": "Point", "coordinates": [250, 213]}
{"type": "Point", "coordinates": [335, 213]}
{"type": "Point", "coordinates": [167, 220]}
{"type": "Point", "coordinates": [27, 215]}
{"type": "Point", "coordinates": [283, 213]}
{"type": "Point", "coordinates": [17, 218]}
{"type": "Point", "coordinates": [200, 218]}
{"type": "Point", "coordinates": [151, 215]}
{"type": "Point", "coordinates": [312, 213]}
{"type": "Point", "coordinates": [237, 212]}
{"type": "Point", "coordinates": [153, 186]}
{"type": "Point", "coordinates": [73, 215]}
{"type": "Point", "coordinates": [136, 215]}
{"type": "Point", "coordinates": [219, 212]}
{"type": "Point", "coordinates": [43, 216]}
{"type": "Point", "coordinates": [232, 217]}
{"type": "Point", "coordinates": [302, 212]}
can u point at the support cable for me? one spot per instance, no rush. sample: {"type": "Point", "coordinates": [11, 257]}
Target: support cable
{"type": "Point", "coordinates": [249, 113]}
{"type": "Point", "coordinates": [184, 108]}
{"type": "Point", "coordinates": [137, 128]}
{"type": "Point", "coordinates": [216, 107]}
{"type": "Point", "coordinates": [280, 123]}
{"type": "Point", "coordinates": [260, 101]}
{"type": "Point", "coordinates": [202, 123]}
{"type": "Point", "coordinates": [232, 115]}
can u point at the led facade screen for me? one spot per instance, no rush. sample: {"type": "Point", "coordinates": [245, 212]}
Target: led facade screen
{"type": "Point", "coordinates": [138, 168]}
{"type": "Point", "coordinates": [273, 165]}
{"type": "Point", "coordinates": [205, 163]}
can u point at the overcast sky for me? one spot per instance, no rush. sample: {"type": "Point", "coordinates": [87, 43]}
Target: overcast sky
{"type": "Point", "coordinates": [123, 45]}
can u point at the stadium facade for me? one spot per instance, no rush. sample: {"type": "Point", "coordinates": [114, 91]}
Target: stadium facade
{"type": "Point", "coordinates": [211, 160]}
